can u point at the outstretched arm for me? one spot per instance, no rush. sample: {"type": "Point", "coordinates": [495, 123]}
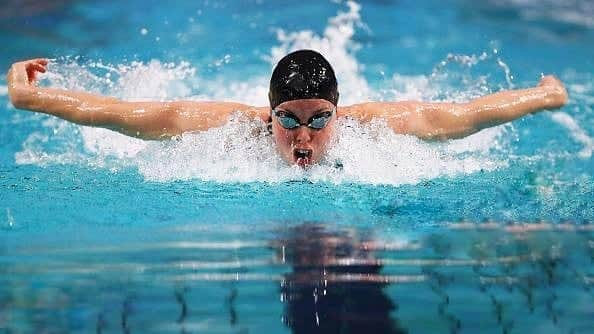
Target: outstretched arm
{"type": "Point", "coordinates": [456, 120]}
{"type": "Point", "coordinates": [147, 120]}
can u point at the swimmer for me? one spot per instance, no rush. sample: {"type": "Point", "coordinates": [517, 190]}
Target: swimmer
{"type": "Point", "coordinates": [302, 113]}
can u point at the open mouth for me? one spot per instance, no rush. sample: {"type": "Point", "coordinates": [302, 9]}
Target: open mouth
{"type": "Point", "coordinates": [302, 156]}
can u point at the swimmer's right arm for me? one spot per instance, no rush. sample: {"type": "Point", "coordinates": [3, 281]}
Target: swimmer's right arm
{"type": "Point", "coordinates": [146, 120]}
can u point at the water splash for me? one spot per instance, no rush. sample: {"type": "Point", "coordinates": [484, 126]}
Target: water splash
{"type": "Point", "coordinates": [337, 45]}
{"type": "Point", "coordinates": [10, 222]}
{"type": "Point", "coordinates": [576, 132]}
{"type": "Point", "coordinates": [373, 153]}
{"type": "Point", "coordinates": [457, 78]}
{"type": "Point", "coordinates": [241, 151]}
{"type": "Point", "coordinates": [135, 81]}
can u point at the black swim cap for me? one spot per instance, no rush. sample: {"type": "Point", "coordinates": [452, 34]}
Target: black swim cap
{"type": "Point", "coordinates": [303, 74]}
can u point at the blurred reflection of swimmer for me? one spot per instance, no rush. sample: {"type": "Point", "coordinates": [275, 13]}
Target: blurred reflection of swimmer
{"type": "Point", "coordinates": [29, 8]}
{"type": "Point", "coordinates": [328, 290]}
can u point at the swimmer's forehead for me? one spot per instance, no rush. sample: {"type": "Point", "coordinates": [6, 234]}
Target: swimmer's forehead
{"type": "Point", "coordinates": [306, 105]}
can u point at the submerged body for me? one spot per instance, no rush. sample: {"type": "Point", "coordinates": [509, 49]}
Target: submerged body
{"type": "Point", "coordinates": [302, 113]}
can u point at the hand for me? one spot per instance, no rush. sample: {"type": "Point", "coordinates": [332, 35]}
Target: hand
{"type": "Point", "coordinates": [21, 77]}
{"type": "Point", "coordinates": [556, 88]}
{"type": "Point", "coordinates": [25, 72]}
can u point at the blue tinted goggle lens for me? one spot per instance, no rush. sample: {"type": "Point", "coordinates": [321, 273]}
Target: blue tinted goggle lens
{"type": "Point", "coordinates": [287, 122]}
{"type": "Point", "coordinates": [317, 122]}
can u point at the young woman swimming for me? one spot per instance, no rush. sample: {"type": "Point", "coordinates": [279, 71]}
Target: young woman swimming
{"type": "Point", "coordinates": [302, 113]}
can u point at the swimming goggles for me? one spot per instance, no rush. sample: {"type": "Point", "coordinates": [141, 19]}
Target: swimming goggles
{"type": "Point", "coordinates": [316, 122]}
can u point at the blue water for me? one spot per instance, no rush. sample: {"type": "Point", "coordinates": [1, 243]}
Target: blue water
{"type": "Point", "coordinates": [213, 233]}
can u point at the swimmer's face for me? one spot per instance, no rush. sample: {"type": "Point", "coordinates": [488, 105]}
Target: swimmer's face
{"type": "Point", "coordinates": [303, 145]}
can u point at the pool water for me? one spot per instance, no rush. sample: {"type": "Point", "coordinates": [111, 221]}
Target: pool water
{"type": "Point", "coordinates": [212, 232]}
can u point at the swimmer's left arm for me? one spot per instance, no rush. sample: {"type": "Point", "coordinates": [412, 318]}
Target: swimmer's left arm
{"type": "Point", "coordinates": [455, 120]}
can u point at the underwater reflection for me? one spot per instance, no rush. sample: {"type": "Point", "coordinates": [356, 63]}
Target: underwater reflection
{"type": "Point", "coordinates": [28, 8]}
{"type": "Point", "coordinates": [331, 288]}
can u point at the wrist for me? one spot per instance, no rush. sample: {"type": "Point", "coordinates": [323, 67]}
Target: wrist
{"type": "Point", "coordinates": [20, 96]}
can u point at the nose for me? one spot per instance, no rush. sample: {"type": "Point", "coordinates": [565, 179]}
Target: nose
{"type": "Point", "coordinates": [302, 135]}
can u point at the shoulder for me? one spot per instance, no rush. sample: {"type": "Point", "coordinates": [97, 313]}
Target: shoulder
{"type": "Point", "coordinates": [262, 113]}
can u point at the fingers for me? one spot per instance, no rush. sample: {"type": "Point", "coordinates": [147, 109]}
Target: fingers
{"type": "Point", "coordinates": [42, 61]}
{"type": "Point", "coordinates": [33, 66]}
{"type": "Point", "coordinates": [38, 67]}
{"type": "Point", "coordinates": [549, 80]}
{"type": "Point", "coordinates": [558, 91]}
{"type": "Point", "coordinates": [38, 63]}
{"type": "Point", "coordinates": [25, 72]}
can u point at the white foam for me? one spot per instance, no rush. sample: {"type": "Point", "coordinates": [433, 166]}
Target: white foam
{"type": "Point", "coordinates": [576, 132]}
{"type": "Point", "coordinates": [251, 91]}
{"type": "Point", "coordinates": [102, 142]}
{"type": "Point", "coordinates": [155, 80]}
{"type": "Point", "coordinates": [241, 151]}
{"type": "Point", "coordinates": [337, 45]}
{"type": "Point", "coordinates": [406, 87]}
{"type": "Point", "coordinates": [373, 153]}
{"type": "Point", "coordinates": [9, 218]}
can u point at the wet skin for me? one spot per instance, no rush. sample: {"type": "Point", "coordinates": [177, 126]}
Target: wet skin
{"type": "Point", "coordinates": [303, 146]}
